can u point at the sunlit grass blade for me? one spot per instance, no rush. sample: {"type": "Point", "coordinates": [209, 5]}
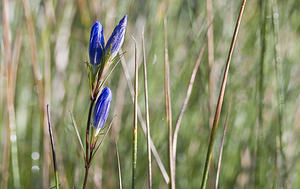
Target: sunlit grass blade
{"type": "Point", "coordinates": [101, 141]}
{"type": "Point", "coordinates": [147, 114]}
{"type": "Point", "coordinates": [77, 133]}
{"type": "Point", "coordinates": [221, 148]}
{"type": "Point", "coordinates": [220, 99]}
{"type": "Point", "coordinates": [134, 140]}
{"type": "Point", "coordinates": [119, 166]}
{"type": "Point", "coordinates": [186, 100]}
{"type": "Point", "coordinates": [168, 108]}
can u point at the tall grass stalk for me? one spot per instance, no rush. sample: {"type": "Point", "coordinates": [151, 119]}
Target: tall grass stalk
{"type": "Point", "coordinates": [143, 124]}
{"type": "Point", "coordinates": [210, 46]}
{"type": "Point", "coordinates": [221, 98]}
{"type": "Point", "coordinates": [186, 101]}
{"type": "Point", "coordinates": [53, 149]}
{"type": "Point", "coordinates": [134, 150]}
{"type": "Point", "coordinates": [168, 108]}
{"type": "Point", "coordinates": [221, 148]}
{"type": "Point", "coordinates": [147, 114]}
{"type": "Point", "coordinates": [119, 166]}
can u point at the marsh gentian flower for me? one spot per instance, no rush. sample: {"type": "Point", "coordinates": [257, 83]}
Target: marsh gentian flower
{"type": "Point", "coordinates": [116, 39]}
{"type": "Point", "coordinates": [96, 44]}
{"type": "Point", "coordinates": [101, 109]}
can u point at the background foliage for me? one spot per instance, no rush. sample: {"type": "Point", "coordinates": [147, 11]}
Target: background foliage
{"type": "Point", "coordinates": [62, 29]}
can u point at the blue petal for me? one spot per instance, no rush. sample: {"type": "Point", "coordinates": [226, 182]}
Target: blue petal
{"type": "Point", "coordinates": [116, 39]}
{"type": "Point", "coordinates": [101, 109]}
{"type": "Point", "coordinates": [96, 44]}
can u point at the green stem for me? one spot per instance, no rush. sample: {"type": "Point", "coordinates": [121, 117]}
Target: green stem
{"type": "Point", "coordinates": [87, 159]}
{"type": "Point", "coordinates": [56, 180]}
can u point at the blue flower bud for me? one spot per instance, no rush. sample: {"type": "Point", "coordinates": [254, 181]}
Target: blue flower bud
{"type": "Point", "coordinates": [101, 109]}
{"type": "Point", "coordinates": [96, 44]}
{"type": "Point", "coordinates": [116, 39]}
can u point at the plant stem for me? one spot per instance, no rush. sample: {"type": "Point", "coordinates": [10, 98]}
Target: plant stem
{"type": "Point", "coordinates": [134, 152]}
{"type": "Point", "coordinates": [87, 159]}
{"type": "Point", "coordinates": [53, 149]}
{"type": "Point", "coordinates": [86, 176]}
{"type": "Point", "coordinates": [147, 115]}
{"type": "Point", "coordinates": [186, 100]}
{"type": "Point", "coordinates": [220, 99]}
{"type": "Point", "coordinates": [169, 109]}
{"type": "Point", "coordinates": [221, 148]}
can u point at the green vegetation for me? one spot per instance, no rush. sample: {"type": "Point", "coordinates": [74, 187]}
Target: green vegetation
{"type": "Point", "coordinates": [43, 49]}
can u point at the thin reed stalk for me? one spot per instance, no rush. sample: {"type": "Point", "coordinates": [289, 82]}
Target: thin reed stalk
{"type": "Point", "coordinates": [119, 166]}
{"type": "Point", "coordinates": [210, 48]}
{"type": "Point", "coordinates": [221, 98]}
{"type": "Point", "coordinates": [147, 114]}
{"type": "Point", "coordinates": [186, 100]}
{"type": "Point", "coordinates": [211, 83]}
{"type": "Point", "coordinates": [134, 151]}
{"type": "Point", "coordinates": [143, 124]}
{"type": "Point", "coordinates": [53, 149]}
{"type": "Point", "coordinates": [169, 109]}
{"type": "Point", "coordinates": [221, 148]}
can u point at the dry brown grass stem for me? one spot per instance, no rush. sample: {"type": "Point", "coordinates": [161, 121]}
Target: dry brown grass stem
{"type": "Point", "coordinates": [221, 148]}
{"type": "Point", "coordinates": [169, 109]}
{"type": "Point", "coordinates": [147, 114]}
{"type": "Point", "coordinates": [186, 99]}
{"type": "Point", "coordinates": [119, 166]}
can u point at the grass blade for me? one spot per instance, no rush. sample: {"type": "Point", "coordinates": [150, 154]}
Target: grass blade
{"type": "Point", "coordinates": [77, 133]}
{"type": "Point", "coordinates": [134, 151]}
{"type": "Point", "coordinates": [168, 108]}
{"type": "Point", "coordinates": [119, 166]}
{"type": "Point", "coordinates": [220, 99]}
{"type": "Point", "coordinates": [147, 114]}
{"type": "Point", "coordinates": [221, 148]}
{"type": "Point", "coordinates": [100, 143]}
{"type": "Point", "coordinates": [186, 99]}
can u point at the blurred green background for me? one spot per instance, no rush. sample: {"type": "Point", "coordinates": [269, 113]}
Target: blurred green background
{"type": "Point", "coordinates": [263, 88]}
